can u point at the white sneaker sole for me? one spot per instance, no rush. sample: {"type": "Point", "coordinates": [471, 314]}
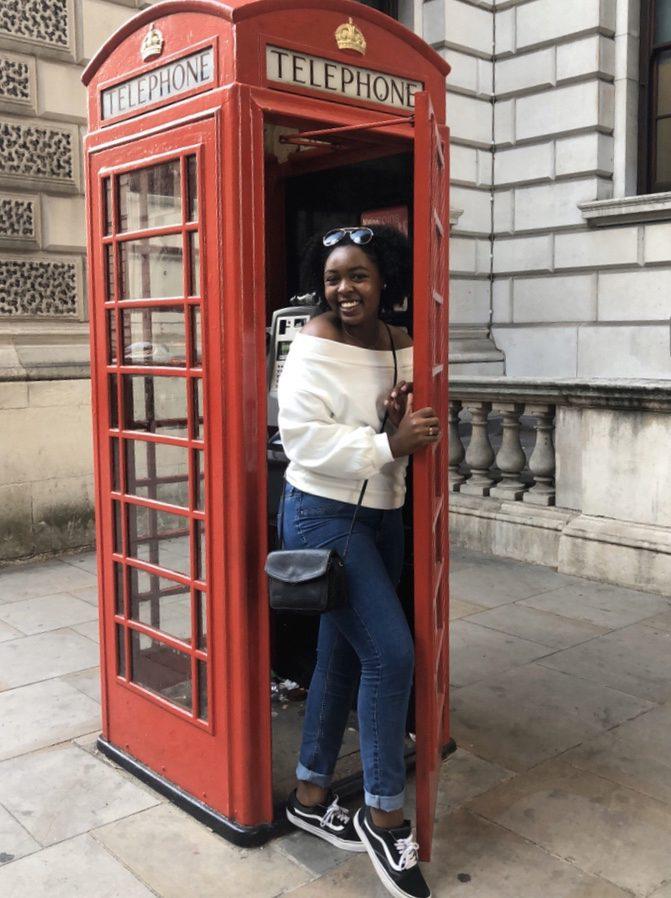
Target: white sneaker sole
{"type": "Point", "coordinates": [345, 844]}
{"type": "Point", "coordinates": [385, 878]}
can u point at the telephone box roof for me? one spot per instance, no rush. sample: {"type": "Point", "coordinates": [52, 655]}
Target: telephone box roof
{"type": "Point", "coordinates": [238, 10]}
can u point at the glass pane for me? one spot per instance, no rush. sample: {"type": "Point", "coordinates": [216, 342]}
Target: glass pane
{"type": "Point", "coordinates": [154, 337]}
{"type": "Point", "coordinates": [201, 598]}
{"type": "Point", "coordinates": [155, 404]}
{"type": "Point", "coordinates": [109, 273]}
{"type": "Point", "coordinates": [111, 337]}
{"type": "Point", "coordinates": [662, 22]}
{"type": "Point", "coordinates": [158, 471]}
{"type": "Point", "coordinates": [113, 400]}
{"type": "Point", "coordinates": [107, 203]}
{"type": "Point", "coordinates": [202, 690]}
{"type": "Point", "coordinates": [159, 538]}
{"type": "Point", "coordinates": [199, 481]}
{"type": "Point", "coordinates": [150, 197]}
{"type": "Point", "coordinates": [120, 651]}
{"type": "Point", "coordinates": [201, 561]}
{"type": "Point", "coordinates": [116, 536]}
{"type": "Point", "coordinates": [197, 336]}
{"type": "Point", "coordinates": [160, 603]}
{"type": "Point", "coordinates": [194, 251]}
{"type": "Point", "coordinates": [198, 416]}
{"type": "Point", "coordinates": [663, 172]}
{"type": "Point", "coordinates": [151, 268]}
{"type": "Point", "coordinates": [116, 472]}
{"type": "Point", "coordinates": [118, 589]}
{"type": "Point", "coordinates": [192, 188]}
{"type": "Point", "coordinates": [161, 669]}
{"type": "Point", "coordinates": [664, 83]}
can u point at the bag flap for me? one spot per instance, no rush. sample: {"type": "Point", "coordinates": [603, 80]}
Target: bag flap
{"type": "Point", "coordinates": [299, 565]}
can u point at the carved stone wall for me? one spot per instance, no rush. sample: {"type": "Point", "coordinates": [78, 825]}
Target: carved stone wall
{"type": "Point", "coordinates": [39, 288]}
{"type": "Point", "coordinates": [39, 21]}
{"type": "Point", "coordinates": [37, 151]}
{"type": "Point", "coordinates": [15, 79]}
{"type": "Point", "coordinates": [18, 220]}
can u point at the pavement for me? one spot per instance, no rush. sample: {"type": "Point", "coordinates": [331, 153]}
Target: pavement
{"type": "Point", "coordinates": [560, 787]}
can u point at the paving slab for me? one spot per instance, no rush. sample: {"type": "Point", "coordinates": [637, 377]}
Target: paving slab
{"type": "Point", "coordinates": [7, 632]}
{"type": "Point", "coordinates": [46, 613]}
{"type": "Point", "coordinates": [664, 892]}
{"type": "Point", "coordinates": [633, 660]}
{"type": "Point", "coordinates": [600, 826]}
{"type": "Point", "coordinates": [659, 621]}
{"type": "Point", "coordinates": [634, 754]}
{"type": "Point", "coordinates": [87, 594]}
{"type": "Point", "coordinates": [45, 655]}
{"type": "Point", "coordinates": [498, 582]}
{"type": "Point", "coordinates": [310, 852]}
{"type": "Point", "coordinates": [177, 856]}
{"type": "Point", "coordinates": [43, 714]}
{"type": "Point", "coordinates": [43, 578]}
{"type": "Point", "coordinates": [478, 652]}
{"type": "Point", "coordinates": [541, 627]}
{"type": "Point", "coordinates": [86, 681]}
{"type": "Point", "coordinates": [90, 629]}
{"type": "Point", "coordinates": [15, 842]}
{"type": "Point", "coordinates": [531, 713]}
{"type": "Point", "coordinates": [472, 857]}
{"type": "Point", "coordinates": [86, 561]}
{"type": "Point", "coordinates": [460, 609]}
{"type": "Point", "coordinates": [64, 791]}
{"type": "Point", "coordinates": [601, 604]}
{"type": "Point", "coordinates": [78, 867]}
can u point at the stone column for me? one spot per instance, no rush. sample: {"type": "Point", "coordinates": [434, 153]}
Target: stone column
{"type": "Point", "coordinates": [542, 461]}
{"type": "Point", "coordinates": [510, 458]}
{"type": "Point", "coordinates": [457, 453]}
{"type": "Point", "coordinates": [479, 455]}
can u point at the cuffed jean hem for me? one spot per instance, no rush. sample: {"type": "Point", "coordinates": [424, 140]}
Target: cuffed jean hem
{"type": "Point", "coordinates": [309, 776]}
{"type": "Point", "coordinates": [385, 802]}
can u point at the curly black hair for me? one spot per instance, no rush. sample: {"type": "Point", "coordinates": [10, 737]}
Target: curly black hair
{"type": "Point", "coordinates": [390, 251]}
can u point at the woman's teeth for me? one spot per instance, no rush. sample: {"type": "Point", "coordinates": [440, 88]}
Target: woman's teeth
{"type": "Point", "coordinates": [349, 305]}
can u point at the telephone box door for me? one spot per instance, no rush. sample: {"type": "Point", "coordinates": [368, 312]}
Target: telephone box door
{"type": "Point", "coordinates": [156, 332]}
{"type": "Point", "coordinates": [430, 523]}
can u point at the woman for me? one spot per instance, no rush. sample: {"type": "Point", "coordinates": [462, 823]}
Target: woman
{"type": "Point", "coordinates": [337, 382]}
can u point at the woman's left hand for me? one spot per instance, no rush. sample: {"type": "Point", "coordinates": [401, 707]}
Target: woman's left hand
{"type": "Point", "coordinates": [396, 401]}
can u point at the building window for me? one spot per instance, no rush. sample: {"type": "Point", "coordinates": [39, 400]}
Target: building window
{"type": "Point", "coordinates": [655, 99]}
{"type": "Point", "coordinates": [390, 7]}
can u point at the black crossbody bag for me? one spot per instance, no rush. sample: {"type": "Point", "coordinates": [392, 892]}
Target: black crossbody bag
{"type": "Point", "coordinates": [312, 581]}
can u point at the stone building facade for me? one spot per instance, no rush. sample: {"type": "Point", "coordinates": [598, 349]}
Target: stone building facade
{"type": "Point", "coordinates": [560, 277]}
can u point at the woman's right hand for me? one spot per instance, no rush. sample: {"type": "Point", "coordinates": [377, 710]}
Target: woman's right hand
{"type": "Point", "coordinates": [416, 430]}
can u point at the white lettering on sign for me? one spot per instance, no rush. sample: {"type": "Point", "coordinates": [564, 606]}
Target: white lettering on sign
{"type": "Point", "coordinates": [162, 83]}
{"type": "Point", "coordinates": [291, 67]}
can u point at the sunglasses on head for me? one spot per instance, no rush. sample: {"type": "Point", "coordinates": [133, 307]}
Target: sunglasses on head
{"type": "Point", "coordinates": [360, 236]}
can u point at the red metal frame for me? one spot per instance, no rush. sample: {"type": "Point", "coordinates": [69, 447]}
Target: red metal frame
{"type": "Point", "coordinates": [223, 126]}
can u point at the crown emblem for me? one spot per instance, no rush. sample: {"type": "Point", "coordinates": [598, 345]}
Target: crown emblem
{"type": "Point", "coordinates": [348, 37]}
{"type": "Point", "coordinates": [152, 44]}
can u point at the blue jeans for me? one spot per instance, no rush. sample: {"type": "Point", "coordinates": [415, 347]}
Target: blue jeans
{"type": "Point", "coordinates": [371, 636]}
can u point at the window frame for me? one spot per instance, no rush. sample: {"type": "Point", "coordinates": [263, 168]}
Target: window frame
{"type": "Point", "coordinates": [647, 117]}
{"type": "Point", "coordinates": [389, 7]}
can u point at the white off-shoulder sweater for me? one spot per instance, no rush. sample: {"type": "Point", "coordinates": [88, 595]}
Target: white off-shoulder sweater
{"type": "Point", "coordinates": [331, 405]}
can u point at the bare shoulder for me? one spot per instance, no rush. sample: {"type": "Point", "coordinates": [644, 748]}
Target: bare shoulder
{"type": "Point", "coordinates": [402, 339]}
{"type": "Point", "coordinates": [322, 326]}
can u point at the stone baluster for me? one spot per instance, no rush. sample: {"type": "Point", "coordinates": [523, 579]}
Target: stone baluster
{"type": "Point", "coordinates": [542, 461]}
{"type": "Point", "coordinates": [510, 459]}
{"type": "Point", "coordinates": [479, 455]}
{"type": "Point", "coordinates": [457, 453]}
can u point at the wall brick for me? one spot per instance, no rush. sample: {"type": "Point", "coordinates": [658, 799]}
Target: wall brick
{"type": "Point", "coordinates": [591, 249]}
{"type": "Point", "coordinates": [463, 164]}
{"type": "Point", "coordinates": [468, 27]}
{"type": "Point", "coordinates": [641, 295]}
{"type": "Point", "coordinates": [555, 205]}
{"type": "Point", "coordinates": [584, 153]}
{"type": "Point", "coordinates": [520, 73]}
{"type": "Point", "coordinates": [470, 120]}
{"type": "Point", "coordinates": [538, 351]}
{"type": "Point", "coordinates": [505, 32]}
{"type": "Point", "coordinates": [567, 298]}
{"type": "Point", "coordinates": [477, 209]}
{"type": "Point", "coordinates": [547, 20]}
{"type": "Point", "coordinates": [464, 74]}
{"type": "Point", "coordinates": [485, 167]}
{"type": "Point", "coordinates": [502, 300]}
{"type": "Point", "coordinates": [64, 223]}
{"type": "Point", "coordinates": [527, 163]}
{"type": "Point", "coordinates": [462, 255]}
{"type": "Point", "coordinates": [594, 55]}
{"type": "Point", "coordinates": [565, 109]}
{"type": "Point", "coordinates": [101, 20]}
{"type": "Point", "coordinates": [503, 212]}
{"type": "Point", "coordinates": [504, 122]}
{"type": "Point", "coordinates": [469, 301]}
{"type": "Point", "coordinates": [658, 243]}
{"type": "Point", "coordinates": [60, 92]}
{"type": "Point", "coordinates": [523, 254]}
{"type": "Point", "coordinates": [636, 350]}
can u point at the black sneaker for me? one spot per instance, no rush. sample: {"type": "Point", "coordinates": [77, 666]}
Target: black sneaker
{"type": "Point", "coordinates": [328, 821]}
{"type": "Point", "coordinates": [394, 856]}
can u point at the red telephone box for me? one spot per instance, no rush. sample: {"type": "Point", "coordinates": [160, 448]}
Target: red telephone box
{"type": "Point", "coordinates": [222, 134]}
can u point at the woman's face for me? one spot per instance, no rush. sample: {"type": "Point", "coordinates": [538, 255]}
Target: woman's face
{"type": "Point", "coordinates": [352, 284]}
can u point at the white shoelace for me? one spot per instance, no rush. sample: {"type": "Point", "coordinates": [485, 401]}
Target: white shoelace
{"type": "Point", "coordinates": [334, 813]}
{"type": "Point", "coordinates": [407, 849]}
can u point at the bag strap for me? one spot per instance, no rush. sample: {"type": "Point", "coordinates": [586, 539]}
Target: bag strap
{"type": "Point", "coordinates": [280, 532]}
